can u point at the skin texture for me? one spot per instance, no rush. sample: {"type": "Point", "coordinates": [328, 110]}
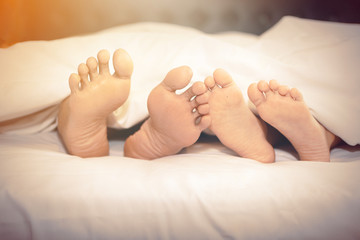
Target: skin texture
{"type": "Point", "coordinates": [95, 93]}
{"type": "Point", "coordinates": [173, 124]}
{"type": "Point", "coordinates": [286, 111]}
{"type": "Point", "coordinates": [233, 122]}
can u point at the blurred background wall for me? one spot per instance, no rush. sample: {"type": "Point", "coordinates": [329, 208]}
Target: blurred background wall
{"type": "Point", "coordinates": [22, 20]}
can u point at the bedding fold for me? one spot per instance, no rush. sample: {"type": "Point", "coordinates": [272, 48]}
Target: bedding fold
{"type": "Point", "coordinates": [204, 192]}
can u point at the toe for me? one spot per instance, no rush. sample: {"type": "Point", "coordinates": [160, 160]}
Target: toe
{"type": "Point", "coordinates": [200, 99]}
{"type": "Point", "coordinates": [91, 63]}
{"type": "Point", "coordinates": [256, 96]}
{"type": "Point", "coordinates": [263, 86]}
{"type": "Point", "coordinates": [203, 122]}
{"type": "Point", "coordinates": [203, 98]}
{"type": "Point", "coordinates": [210, 83]}
{"type": "Point", "coordinates": [222, 78]}
{"type": "Point", "coordinates": [83, 71]}
{"type": "Point", "coordinates": [123, 64]}
{"type": "Point", "coordinates": [274, 85]}
{"type": "Point", "coordinates": [296, 94]}
{"type": "Point", "coordinates": [103, 57]}
{"type": "Point", "coordinates": [283, 90]}
{"type": "Point", "coordinates": [197, 88]}
{"type": "Point", "coordinates": [74, 81]}
{"type": "Point", "coordinates": [203, 109]}
{"type": "Point", "coordinates": [177, 78]}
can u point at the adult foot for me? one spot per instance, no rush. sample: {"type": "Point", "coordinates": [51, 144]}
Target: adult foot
{"type": "Point", "coordinates": [176, 120]}
{"type": "Point", "coordinates": [285, 110]}
{"type": "Point", "coordinates": [95, 93]}
{"type": "Point", "coordinates": [233, 122]}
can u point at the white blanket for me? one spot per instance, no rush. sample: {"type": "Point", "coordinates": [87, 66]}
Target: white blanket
{"type": "Point", "coordinates": [205, 191]}
{"type": "Point", "coordinates": [319, 58]}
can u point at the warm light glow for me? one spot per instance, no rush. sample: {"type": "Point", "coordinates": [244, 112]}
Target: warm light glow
{"type": "Point", "coordinates": [23, 20]}
{"type": "Point", "coordinates": [10, 23]}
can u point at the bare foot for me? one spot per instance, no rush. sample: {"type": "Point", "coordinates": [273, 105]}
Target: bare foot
{"type": "Point", "coordinates": [173, 124]}
{"type": "Point", "coordinates": [233, 122]}
{"type": "Point", "coordinates": [82, 115]}
{"type": "Point", "coordinates": [286, 111]}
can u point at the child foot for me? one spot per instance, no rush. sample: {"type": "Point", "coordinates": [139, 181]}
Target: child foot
{"type": "Point", "coordinates": [94, 95]}
{"type": "Point", "coordinates": [173, 123]}
{"type": "Point", "coordinates": [286, 111]}
{"type": "Point", "coordinates": [233, 122]}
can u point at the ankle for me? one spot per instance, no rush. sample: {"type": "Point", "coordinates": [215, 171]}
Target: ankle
{"type": "Point", "coordinates": [332, 139]}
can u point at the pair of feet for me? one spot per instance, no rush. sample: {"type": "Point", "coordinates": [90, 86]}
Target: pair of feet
{"type": "Point", "coordinates": [177, 120]}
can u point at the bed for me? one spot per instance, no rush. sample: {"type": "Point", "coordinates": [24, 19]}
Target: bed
{"type": "Point", "coordinates": [205, 191]}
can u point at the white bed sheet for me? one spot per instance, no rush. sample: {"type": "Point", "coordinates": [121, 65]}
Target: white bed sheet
{"type": "Point", "coordinates": [205, 192]}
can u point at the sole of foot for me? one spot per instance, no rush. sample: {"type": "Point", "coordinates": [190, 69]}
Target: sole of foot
{"type": "Point", "coordinates": [233, 122]}
{"type": "Point", "coordinates": [176, 120]}
{"type": "Point", "coordinates": [285, 110]}
{"type": "Point", "coordinates": [95, 93]}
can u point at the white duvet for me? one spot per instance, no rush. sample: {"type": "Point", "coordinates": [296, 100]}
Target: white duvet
{"type": "Point", "coordinates": [319, 58]}
{"type": "Point", "coordinates": [205, 191]}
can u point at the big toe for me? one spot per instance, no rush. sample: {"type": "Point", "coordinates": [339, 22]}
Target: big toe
{"type": "Point", "coordinates": [222, 78]}
{"type": "Point", "coordinates": [255, 95]}
{"type": "Point", "coordinates": [178, 78]}
{"type": "Point", "coordinates": [123, 64]}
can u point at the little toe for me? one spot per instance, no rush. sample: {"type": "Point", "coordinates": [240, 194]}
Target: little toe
{"type": "Point", "coordinates": [92, 64]}
{"type": "Point", "coordinates": [177, 78]}
{"type": "Point", "coordinates": [123, 64]}
{"type": "Point", "coordinates": [203, 122]}
{"type": "Point", "coordinates": [74, 81]}
{"type": "Point", "coordinates": [256, 96]}
{"type": "Point", "coordinates": [283, 90]}
{"type": "Point", "coordinates": [296, 94]}
{"type": "Point", "coordinates": [83, 71]}
{"type": "Point", "coordinates": [222, 78]}
{"type": "Point", "coordinates": [103, 57]}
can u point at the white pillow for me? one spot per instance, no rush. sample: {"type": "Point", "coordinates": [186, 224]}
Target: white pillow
{"type": "Point", "coordinates": [322, 60]}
